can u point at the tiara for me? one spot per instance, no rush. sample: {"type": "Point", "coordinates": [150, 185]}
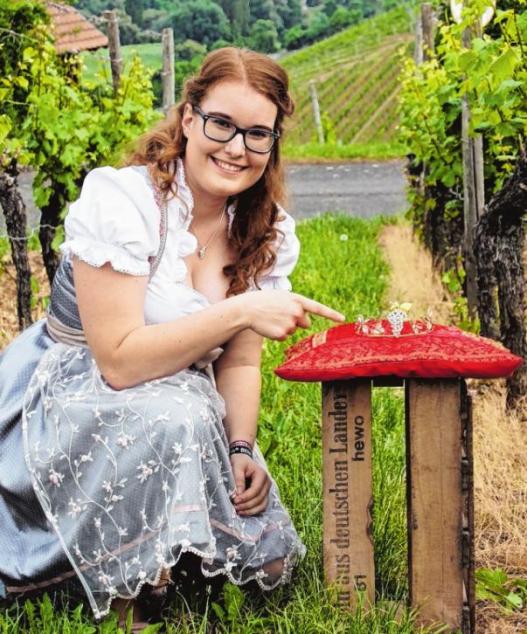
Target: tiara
{"type": "Point", "coordinates": [394, 324]}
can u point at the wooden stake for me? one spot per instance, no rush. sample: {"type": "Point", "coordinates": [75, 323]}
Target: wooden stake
{"type": "Point", "coordinates": [424, 47]}
{"type": "Point", "coordinates": [347, 453]}
{"type": "Point", "coordinates": [114, 46]}
{"type": "Point", "coordinates": [167, 74]}
{"type": "Point", "coordinates": [434, 435]}
{"type": "Point", "coordinates": [428, 30]}
{"type": "Point", "coordinates": [316, 110]}
{"type": "Point", "coordinates": [418, 51]}
{"type": "Point", "coordinates": [473, 193]}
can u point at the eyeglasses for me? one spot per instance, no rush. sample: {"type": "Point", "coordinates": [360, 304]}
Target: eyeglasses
{"type": "Point", "coordinates": [256, 140]}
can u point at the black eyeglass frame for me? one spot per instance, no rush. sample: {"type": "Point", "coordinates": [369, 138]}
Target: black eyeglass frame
{"type": "Point", "coordinates": [237, 130]}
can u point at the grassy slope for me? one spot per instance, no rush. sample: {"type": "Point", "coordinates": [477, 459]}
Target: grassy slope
{"type": "Point", "coordinates": [355, 73]}
{"type": "Point", "coordinates": [350, 275]}
{"type": "Point", "coordinates": [150, 54]}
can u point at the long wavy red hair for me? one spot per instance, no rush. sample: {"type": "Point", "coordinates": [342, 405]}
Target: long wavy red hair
{"type": "Point", "coordinates": [253, 231]}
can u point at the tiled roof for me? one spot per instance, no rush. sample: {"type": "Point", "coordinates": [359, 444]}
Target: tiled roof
{"type": "Point", "coordinates": [73, 32]}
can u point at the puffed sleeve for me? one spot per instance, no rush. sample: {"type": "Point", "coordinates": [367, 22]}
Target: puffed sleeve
{"type": "Point", "coordinates": [287, 252]}
{"type": "Point", "coordinates": [114, 220]}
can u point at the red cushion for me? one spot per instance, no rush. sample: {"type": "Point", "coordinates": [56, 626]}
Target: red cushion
{"type": "Point", "coordinates": [362, 350]}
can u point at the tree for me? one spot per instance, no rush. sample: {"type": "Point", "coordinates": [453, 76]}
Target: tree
{"type": "Point", "coordinates": [57, 126]}
{"type": "Point", "coordinates": [318, 26]}
{"type": "Point", "coordinates": [23, 26]}
{"type": "Point", "coordinates": [135, 8]}
{"type": "Point", "coordinates": [265, 10]}
{"type": "Point", "coordinates": [290, 12]}
{"type": "Point", "coordinates": [237, 12]}
{"type": "Point", "coordinates": [199, 20]}
{"type": "Point", "coordinates": [264, 37]}
{"type": "Point", "coordinates": [295, 37]}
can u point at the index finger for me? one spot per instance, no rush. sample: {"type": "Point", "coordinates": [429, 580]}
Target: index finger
{"type": "Point", "coordinates": [312, 306]}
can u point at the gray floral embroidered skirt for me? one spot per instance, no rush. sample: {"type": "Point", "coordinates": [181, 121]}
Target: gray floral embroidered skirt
{"type": "Point", "coordinates": [111, 487]}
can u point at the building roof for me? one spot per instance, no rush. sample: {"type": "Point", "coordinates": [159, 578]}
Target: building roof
{"type": "Point", "coordinates": [72, 31]}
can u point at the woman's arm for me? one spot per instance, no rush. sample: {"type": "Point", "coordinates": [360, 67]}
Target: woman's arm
{"type": "Point", "coordinates": [237, 374]}
{"type": "Point", "coordinates": [238, 380]}
{"type": "Point", "coordinates": [128, 352]}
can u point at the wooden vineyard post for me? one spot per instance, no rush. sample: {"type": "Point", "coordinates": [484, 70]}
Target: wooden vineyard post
{"type": "Point", "coordinates": [114, 46]}
{"type": "Point", "coordinates": [316, 111]}
{"type": "Point", "coordinates": [440, 502]}
{"type": "Point", "coordinates": [347, 476]}
{"type": "Point", "coordinates": [168, 69]}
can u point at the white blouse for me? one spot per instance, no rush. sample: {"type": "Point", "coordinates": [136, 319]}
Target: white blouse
{"type": "Point", "coordinates": [117, 220]}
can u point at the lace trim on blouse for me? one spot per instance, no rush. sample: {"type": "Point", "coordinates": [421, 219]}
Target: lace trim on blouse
{"type": "Point", "coordinates": [97, 254]}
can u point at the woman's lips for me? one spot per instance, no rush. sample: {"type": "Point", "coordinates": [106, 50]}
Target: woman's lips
{"type": "Point", "coordinates": [227, 167]}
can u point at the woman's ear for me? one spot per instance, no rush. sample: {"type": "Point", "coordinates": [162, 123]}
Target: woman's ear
{"type": "Point", "coordinates": [187, 119]}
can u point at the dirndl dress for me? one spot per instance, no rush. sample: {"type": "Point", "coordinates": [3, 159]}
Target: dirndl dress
{"type": "Point", "coordinates": [110, 487]}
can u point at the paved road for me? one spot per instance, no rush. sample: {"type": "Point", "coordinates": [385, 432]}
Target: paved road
{"type": "Point", "coordinates": [364, 189]}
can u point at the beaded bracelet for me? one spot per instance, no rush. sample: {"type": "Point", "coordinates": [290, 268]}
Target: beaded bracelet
{"type": "Point", "coordinates": [240, 446]}
{"type": "Point", "coordinates": [241, 449]}
{"type": "Point", "coordinates": [241, 443]}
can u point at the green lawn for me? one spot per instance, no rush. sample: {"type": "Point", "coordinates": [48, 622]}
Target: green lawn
{"type": "Point", "coordinates": [335, 152]}
{"type": "Point", "coordinates": [341, 265]}
{"type": "Point", "coordinates": [150, 55]}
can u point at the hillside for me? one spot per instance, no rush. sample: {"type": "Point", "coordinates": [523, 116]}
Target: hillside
{"type": "Point", "coordinates": [355, 72]}
{"type": "Point", "coordinates": [356, 76]}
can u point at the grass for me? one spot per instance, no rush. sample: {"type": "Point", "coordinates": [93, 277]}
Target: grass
{"type": "Point", "coordinates": [350, 275]}
{"type": "Point", "coordinates": [150, 55]}
{"type": "Point", "coordinates": [326, 152]}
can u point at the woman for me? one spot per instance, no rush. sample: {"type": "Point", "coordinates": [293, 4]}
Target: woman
{"type": "Point", "coordinates": [136, 401]}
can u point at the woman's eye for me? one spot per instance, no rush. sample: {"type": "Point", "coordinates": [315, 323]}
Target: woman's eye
{"type": "Point", "coordinates": [255, 133]}
{"type": "Point", "coordinates": [221, 123]}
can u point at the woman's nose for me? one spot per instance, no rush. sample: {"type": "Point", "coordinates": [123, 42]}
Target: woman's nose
{"type": "Point", "coordinates": [236, 146]}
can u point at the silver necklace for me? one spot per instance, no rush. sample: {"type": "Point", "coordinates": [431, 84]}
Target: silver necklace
{"type": "Point", "coordinates": [202, 249]}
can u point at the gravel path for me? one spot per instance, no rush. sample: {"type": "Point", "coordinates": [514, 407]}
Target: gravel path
{"type": "Point", "coordinates": [364, 189]}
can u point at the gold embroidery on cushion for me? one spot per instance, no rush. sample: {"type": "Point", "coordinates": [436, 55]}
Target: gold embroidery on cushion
{"type": "Point", "coordinates": [319, 338]}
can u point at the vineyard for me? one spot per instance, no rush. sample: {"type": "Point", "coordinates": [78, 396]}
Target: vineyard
{"type": "Point", "coordinates": [355, 72]}
{"type": "Point", "coordinates": [356, 80]}
{"type": "Point", "coordinates": [478, 89]}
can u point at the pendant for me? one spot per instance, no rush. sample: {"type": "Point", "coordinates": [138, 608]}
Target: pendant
{"type": "Point", "coordinates": [201, 252]}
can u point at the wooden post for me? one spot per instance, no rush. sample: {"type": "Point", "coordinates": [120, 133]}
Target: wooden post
{"type": "Point", "coordinates": [439, 494]}
{"type": "Point", "coordinates": [14, 208]}
{"type": "Point", "coordinates": [316, 110]}
{"type": "Point", "coordinates": [114, 46]}
{"type": "Point", "coordinates": [424, 33]}
{"type": "Point", "coordinates": [424, 47]}
{"type": "Point", "coordinates": [347, 454]}
{"type": "Point", "coordinates": [428, 21]}
{"type": "Point", "coordinates": [418, 51]}
{"type": "Point", "coordinates": [473, 194]}
{"type": "Point", "coordinates": [167, 39]}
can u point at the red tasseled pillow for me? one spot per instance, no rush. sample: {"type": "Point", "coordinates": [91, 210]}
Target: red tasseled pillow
{"type": "Point", "coordinates": [421, 349]}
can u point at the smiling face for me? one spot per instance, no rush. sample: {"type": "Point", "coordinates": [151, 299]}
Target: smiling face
{"type": "Point", "coordinates": [217, 170]}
